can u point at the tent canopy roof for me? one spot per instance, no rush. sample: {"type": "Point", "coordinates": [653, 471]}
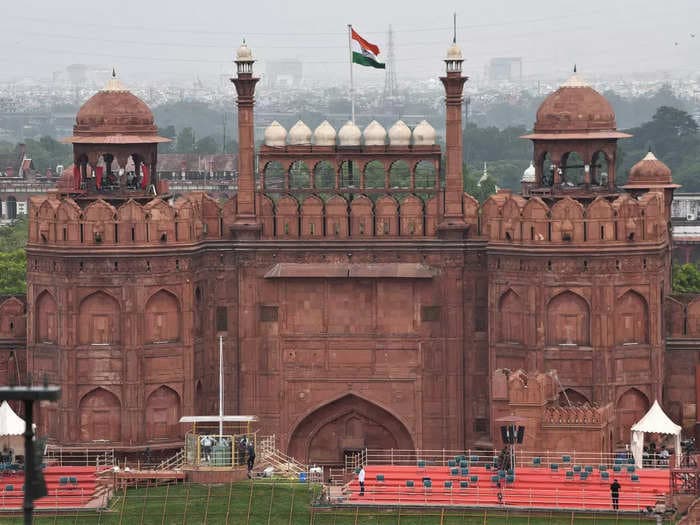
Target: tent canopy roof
{"type": "Point", "coordinates": [10, 423]}
{"type": "Point", "coordinates": [656, 421]}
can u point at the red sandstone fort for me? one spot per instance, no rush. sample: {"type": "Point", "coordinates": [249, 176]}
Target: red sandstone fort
{"type": "Point", "coordinates": [364, 299]}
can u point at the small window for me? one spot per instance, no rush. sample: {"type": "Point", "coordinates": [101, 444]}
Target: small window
{"type": "Point", "coordinates": [429, 313]}
{"type": "Point", "coordinates": [549, 266]}
{"type": "Point", "coordinates": [268, 313]}
{"type": "Point", "coordinates": [481, 425]}
{"type": "Point", "coordinates": [617, 264]}
{"type": "Point", "coordinates": [585, 266]}
{"type": "Point", "coordinates": [221, 319]}
{"type": "Point", "coordinates": [116, 266]}
{"type": "Point", "coordinates": [644, 264]}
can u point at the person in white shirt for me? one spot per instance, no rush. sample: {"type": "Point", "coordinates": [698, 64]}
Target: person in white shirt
{"type": "Point", "coordinates": [206, 443]}
{"type": "Point", "coordinates": [361, 479]}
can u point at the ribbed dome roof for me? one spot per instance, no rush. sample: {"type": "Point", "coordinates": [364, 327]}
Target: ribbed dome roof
{"type": "Point", "coordinates": [650, 170]}
{"type": "Point", "coordinates": [115, 109]}
{"type": "Point", "coordinates": [324, 134]}
{"type": "Point", "coordinates": [275, 134]}
{"type": "Point", "coordinates": [454, 52]}
{"type": "Point", "coordinates": [529, 175]}
{"type": "Point", "coordinates": [244, 53]}
{"type": "Point", "coordinates": [299, 134]}
{"type": "Point", "coordinates": [424, 134]}
{"type": "Point", "coordinates": [399, 134]}
{"type": "Point", "coordinates": [575, 107]}
{"type": "Point", "coordinates": [349, 134]}
{"type": "Point", "coordinates": [374, 134]}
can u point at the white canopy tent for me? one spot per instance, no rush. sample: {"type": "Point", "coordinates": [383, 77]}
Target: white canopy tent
{"type": "Point", "coordinates": [655, 421]}
{"type": "Point", "coordinates": [11, 429]}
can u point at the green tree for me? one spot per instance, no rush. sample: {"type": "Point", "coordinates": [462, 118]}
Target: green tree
{"type": "Point", "coordinates": [14, 236]}
{"type": "Point", "coordinates": [168, 132]}
{"type": "Point", "coordinates": [13, 272]}
{"type": "Point", "coordinates": [185, 141]}
{"type": "Point", "coordinates": [686, 278]}
{"type": "Point", "coordinates": [208, 145]}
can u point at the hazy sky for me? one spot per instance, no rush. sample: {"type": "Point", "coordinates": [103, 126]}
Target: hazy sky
{"type": "Point", "coordinates": [190, 38]}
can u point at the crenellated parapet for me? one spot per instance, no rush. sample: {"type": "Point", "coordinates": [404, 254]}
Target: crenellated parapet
{"type": "Point", "coordinates": [512, 219]}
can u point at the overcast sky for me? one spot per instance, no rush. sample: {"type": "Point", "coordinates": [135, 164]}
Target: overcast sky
{"type": "Point", "coordinates": [199, 37]}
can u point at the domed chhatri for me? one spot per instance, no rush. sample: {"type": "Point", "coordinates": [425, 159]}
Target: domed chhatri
{"type": "Point", "coordinates": [575, 107]}
{"type": "Point", "coordinates": [529, 175]}
{"type": "Point", "coordinates": [454, 52]}
{"type": "Point", "coordinates": [244, 53]}
{"type": "Point", "coordinates": [649, 170]}
{"type": "Point", "coordinates": [399, 134]}
{"type": "Point", "coordinates": [299, 134]}
{"type": "Point", "coordinates": [275, 135]}
{"type": "Point", "coordinates": [324, 134]}
{"type": "Point", "coordinates": [374, 134]}
{"type": "Point", "coordinates": [424, 134]}
{"type": "Point", "coordinates": [349, 134]}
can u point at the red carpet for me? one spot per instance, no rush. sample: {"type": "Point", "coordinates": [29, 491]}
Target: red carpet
{"type": "Point", "coordinates": [536, 487]}
{"type": "Point", "coordinates": [67, 487]}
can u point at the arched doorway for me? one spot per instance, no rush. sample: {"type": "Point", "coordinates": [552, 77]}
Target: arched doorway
{"type": "Point", "coordinates": [11, 207]}
{"type": "Point", "coordinates": [630, 408]}
{"type": "Point", "coordinates": [100, 419]}
{"type": "Point", "coordinates": [162, 414]}
{"type": "Point", "coordinates": [344, 426]}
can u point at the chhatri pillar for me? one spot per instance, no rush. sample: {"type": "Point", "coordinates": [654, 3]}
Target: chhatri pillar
{"type": "Point", "coordinates": [453, 224]}
{"type": "Point", "coordinates": [246, 224]}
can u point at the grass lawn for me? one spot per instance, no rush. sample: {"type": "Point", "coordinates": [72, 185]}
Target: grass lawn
{"type": "Point", "coordinates": [266, 503]}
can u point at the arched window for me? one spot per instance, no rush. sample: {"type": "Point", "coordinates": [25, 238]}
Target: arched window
{"type": "Point", "coordinates": [350, 174]}
{"type": "Point", "coordinates": [324, 175]}
{"type": "Point", "coordinates": [299, 176]}
{"type": "Point", "coordinates": [45, 320]}
{"type": "Point", "coordinates": [98, 322]}
{"type": "Point", "coordinates": [511, 318]}
{"type": "Point", "coordinates": [162, 318]}
{"type": "Point", "coordinates": [374, 175]}
{"type": "Point", "coordinates": [100, 416]}
{"type": "Point", "coordinates": [399, 175]}
{"type": "Point", "coordinates": [568, 319]}
{"type": "Point", "coordinates": [599, 169]}
{"type": "Point", "coordinates": [11, 207]}
{"type": "Point", "coordinates": [425, 174]}
{"type": "Point", "coordinates": [572, 169]}
{"type": "Point", "coordinates": [631, 319]}
{"type": "Point", "coordinates": [274, 176]}
{"type": "Point", "coordinates": [547, 170]}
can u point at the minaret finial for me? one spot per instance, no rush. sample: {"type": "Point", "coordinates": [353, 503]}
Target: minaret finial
{"type": "Point", "coordinates": [574, 68]}
{"type": "Point", "coordinates": [454, 28]}
{"type": "Point", "coordinates": [114, 73]}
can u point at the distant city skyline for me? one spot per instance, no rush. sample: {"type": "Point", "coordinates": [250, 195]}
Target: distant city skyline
{"type": "Point", "coordinates": [155, 39]}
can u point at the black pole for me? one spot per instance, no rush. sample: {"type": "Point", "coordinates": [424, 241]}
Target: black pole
{"type": "Point", "coordinates": [28, 460]}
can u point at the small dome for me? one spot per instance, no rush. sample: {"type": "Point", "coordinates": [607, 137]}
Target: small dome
{"type": "Point", "coordinates": [424, 134]}
{"type": "Point", "coordinates": [349, 134]}
{"type": "Point", "coordinates": [575, 107]}
{"type": "Point", "coordinates": [375, 134]}
{"type": "Point", "coordinates": [454, 52]}
{"type": "Point", "coordinates": [649, 170]}
{"type": "Point", "coordinates": [529, 174]}
{"type": "Point", "coordinates": [299, 134]}
{"type": "Point", "coordinates": [275, 135]}
{"type": "Point", "coordinates": [244, 54]}
{"type": "Point", "coordinates": [324, 134]}
{"type": "Point", "coordinates": [399, 134]}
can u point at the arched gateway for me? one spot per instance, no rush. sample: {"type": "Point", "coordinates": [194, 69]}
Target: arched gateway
{"type": "Point", "coordinates": [343, 426]}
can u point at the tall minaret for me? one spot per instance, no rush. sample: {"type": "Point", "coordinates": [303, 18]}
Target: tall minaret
{"type": "Point", "coordinates": [246, 224]}
{"type": "Point", "coordinates": [453, 224]}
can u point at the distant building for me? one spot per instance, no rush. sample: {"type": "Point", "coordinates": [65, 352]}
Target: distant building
{"type": "Point", "coordinates": [505, 69]}
{"type": "Point", "coordinates": [283, 73]}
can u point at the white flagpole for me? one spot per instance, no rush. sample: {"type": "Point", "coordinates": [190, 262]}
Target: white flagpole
{"type": "Point", "coordinates": [352, 86]}
{"type": "Point", "coordinates": [221, 387]}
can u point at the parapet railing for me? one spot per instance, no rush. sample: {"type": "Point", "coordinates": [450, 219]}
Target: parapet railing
{"type": "Point", "coordinates": [76, 457]}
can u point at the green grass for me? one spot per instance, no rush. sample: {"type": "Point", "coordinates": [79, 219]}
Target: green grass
{"type": "Point", "coordinates": [263, 503]}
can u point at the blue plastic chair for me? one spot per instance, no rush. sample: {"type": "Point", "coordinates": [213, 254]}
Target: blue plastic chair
{"type": "Point", "coordinates": [427, 483]}
{"type": "Point", "coordinates": [554, 467]}
{"type": "Point", "coordinates": [617, 468]}
{"type": "Point", "coordinates": [566, 459]}
{"type": "Point", "coordinates": [448, 484]}
{"type": "Point", "coordinates": [454, 471]}
{"type": "Point", "coordinates": [410, 483]}
{"type": "Point", "coordinates": [569, 474]}
{"type": "Point", "coordinates": [537, 461]}
{"type": "Point", "coordinates": [451, 463]}
{"type": "Point", "coordinates": [464, 472]}
{"type": "Point", "coordinates": [605, 475]}
{"type": "Point", "coordinates": [577, 468]}
{"type": "Point", "coordinates": [495, 479]}
{"type": "Point", "coordinates": [463, 464]}
{"type": "Point", "coordinates": [634, 477]}
{"type": "Point", "coordinates": [380, 478]}
{"type": "Point", "coordinates": [630, 469]}
{"type": "Point", "coordinates": [474, 479]}
{"type": "Point", "coordinates": [463, 484]}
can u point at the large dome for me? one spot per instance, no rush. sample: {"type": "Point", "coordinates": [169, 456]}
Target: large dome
{"type": "Point", "coordinates": [649, 170]}
{"type": "Point", "coordinates": [575, 107]}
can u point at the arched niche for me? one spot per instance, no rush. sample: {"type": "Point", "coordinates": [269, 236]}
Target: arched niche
{"type": "Point", "coordinates": [375, 176]}
{"type": "Point", "coordinates": [99, 320]}
{"type": "Point", "coordinates": [424, 174]}
{"type": "Point", "coordinates": [344, 426]}
{"type": "Point", "coordinates": [337, 217]}
{"type": "Point", "coordinates": [100, 416]}
{"type": "Point", "coordinates": [567, 221]}
{"type": "Point", "coordinates": [535, 220]}
{"type": "Point", "coordinates": [45, 325]}
{"type": "Point", "coordinates": [287, 218]}
{"type": "Point", "coordinates": [411, 212]}
{"type": "Point", "coordinates": [568, 320]}
{"type": "Point", "coordinates": [630, 408]}
{"type": "Point", "coordinates": [350, 173]}
{"type": "Point", "coordinates": [601, 221]}
{"type": "Point", "coordinates": [572, 167]}
{"type": "Point", "coordinates": [546, 170]}
{"type": "Point", "coordinates": [574, 397]}
{"type": "Point", "coordinates": [399, 175]}
{"type": "Point", "coordinates": [162, 414]}
{"type": "Point", "coordinates": [324, 175]}
{"type": "Point", "coordinates": [631, 319]}
{"type": "Point", "coordinates": [12, 320]}
{"type": "Point", "coordinates": [386, 216]}
{"type": "Point", "coordinates": [511, 325]}
{"type": "Point", "coordinates": [299, 175]}
{"type": "Point", "coordinates": [361, 217]}
{"type": "Point", "coordinates": [274, 176]}
{"type": "Point", "coordinates": [162, 319]}
{"type": "Point", "coordinates": [312, 217]}
{"type": "Point", "coordinates": [600, 168]}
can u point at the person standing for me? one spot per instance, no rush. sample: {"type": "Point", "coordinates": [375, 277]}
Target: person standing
{"type": "Point", "coordinates": [251, 458]}
{"type": "Point", "coordinates": [206, 443]}
{"type": "Point", "coordinates": [615, 493]}
{"type": "Point", "coordinates": [361, 480]}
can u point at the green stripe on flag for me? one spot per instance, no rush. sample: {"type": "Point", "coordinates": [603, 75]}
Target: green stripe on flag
{"type": "Point", "coordinates": [364, 60]}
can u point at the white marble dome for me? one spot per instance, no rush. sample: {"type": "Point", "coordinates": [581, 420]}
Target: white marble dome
{"type": "Point", "coordinates": [299, 134]}
{"type": "Point", "coordinates": [275, 135]}
{"type": "Point", "coordinates": [424, 134]}
{"type": "Point", "coordinates": [324, 134]}
{"type": "Point", "coordinates": [244, 53]}
{"type": "Point", "coordinates": [529, 174]}
{"type": "Point", "coordinates": [349, 134]}
{"type": "Point", "coordinates": [399, 134]}
{"type": "Point", "coordinates": [374, 134]}
{"type": "Point", "coordinates": [454, 52]}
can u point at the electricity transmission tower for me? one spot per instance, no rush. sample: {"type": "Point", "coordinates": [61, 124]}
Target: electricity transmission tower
{"type": "Point", "coordinates": [390, 90]}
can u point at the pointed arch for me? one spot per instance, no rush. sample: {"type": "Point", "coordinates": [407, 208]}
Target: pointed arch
{"type": "Point", "coordinates": [630, 408]}
{"type": "Point", "coordinates": [337, 217]}
{"type": "Point", "coordinates": [567, 221]}
{"type": "Point", "coordinates": [324, 175]}
{"type": "Point", "coordinates": [312, 217]}
{"type": "Point", "coordinates": [162, 414]}
{"type": "Point", "coordinates": [361, 217]}
{"type": "Point", "coordinates": [348, 423]}
{"type": "Point", "coordinates": [386, 216]}
{"type": "Point", "coordinates": [45, 325]}
{"type": "Point", "coordinates": [374, 175]}
{"type": "Point", "coordinates": [411, 211]}
{"type": "Point", "coordinates": [601, 221]}
{"type": "Point", "coordinates": [568, 320]}
{"type": "Point", "coordinates": [99, 320]}
{"type": "Point", "coordinates": [12, 318]}
{"type": "Point", "coordinates": [287, 218]}
{"type": "Point", "coordinates": [575, 397]}
{"type": "Point", "coordinates": [100, 416]}
{"type": "Point", "coordinates": [511, 325]}
{"type": "Point", "coordinates": [535, 220]}
{"type": "Point", "coordinates": [399, 174]}
{"type": "Point", "coordinates": [631, 319]}
{"type": "Point", "coordinates": [162, 318]}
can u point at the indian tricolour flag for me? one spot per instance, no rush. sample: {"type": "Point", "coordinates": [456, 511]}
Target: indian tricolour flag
{"type": "Point", "coordinates": [363, 52]}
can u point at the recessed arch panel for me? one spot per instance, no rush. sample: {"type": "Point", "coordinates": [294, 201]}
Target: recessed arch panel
{"type": "Point", "coordinates": [100, 416]}
{"type": "Point", "coordinates": [568, 320]}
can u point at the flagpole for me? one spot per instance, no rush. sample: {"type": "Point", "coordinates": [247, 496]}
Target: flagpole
{"type": "Point", "coordinates": [352, 85]}
{"type": "Point", "coordinates": [221, 387]}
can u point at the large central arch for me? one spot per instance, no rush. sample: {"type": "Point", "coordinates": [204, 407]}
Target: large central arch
{"type": "Point", "coordinates": [347, 424]}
